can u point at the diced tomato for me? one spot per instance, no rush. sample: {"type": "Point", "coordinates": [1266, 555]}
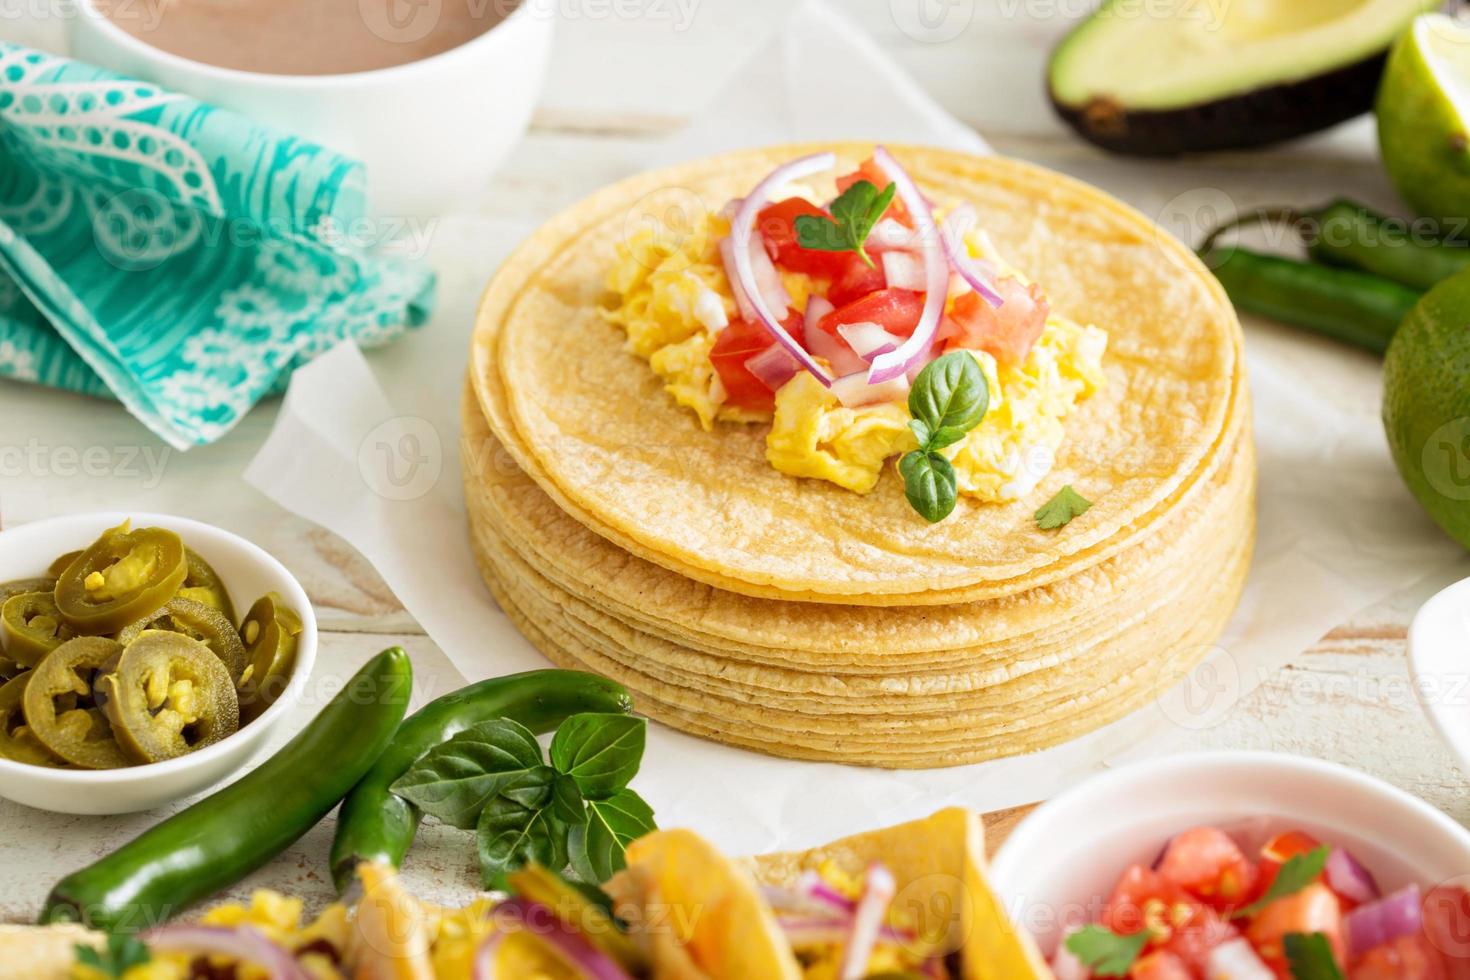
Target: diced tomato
{"type": "Point", "coordinates": [1209, 864]}
{"type": "Point", "coordinates": [777, 225]}
{"type": "Point", "coordinates": [1447, 927]}
{"type": "Point", "coordinates": [1313, 909]}
{"type": "Point", "coordinates": [873, 174]}
{"type": "Point", "coordinates": [1405, 958]}
{"type": "Point", "coordinates": [857, 281]}
{"type": "Point", "coordinates": [895, 310]}
{"type": "Point", "coordinates": [1006, 333]}
{"type": "Point", "coordinates": [1159, 966]}
{"type": "Point", "coordinates": [738, 343]}
{"type": "Point", "coordinates": [1175, 920]}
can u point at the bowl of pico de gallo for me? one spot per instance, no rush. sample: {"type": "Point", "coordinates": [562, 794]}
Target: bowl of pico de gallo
{"type": "Point", "coordinates": [1241, 866]}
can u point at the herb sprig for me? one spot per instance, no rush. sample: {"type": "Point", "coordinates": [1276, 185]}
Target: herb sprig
{"type": "Point", "coordinates": [1105, 952]}
{"type": "Point", "coordinates": [854, 213]}
{"type": "Point", "coordinates": [1310, 957]}
{"type": "Point", "coordinates": [1297, 873]}
{"type": "Point", "coordinates": [577, 811]}
{"type": "Point", "coordinates": [948, 399]}
{"type": "Point", "coordinates": [1059, 510]}
{"type": "Point", "coordinates": [119, 955]}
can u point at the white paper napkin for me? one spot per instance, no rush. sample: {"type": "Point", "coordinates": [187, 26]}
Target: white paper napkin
{"type": "Point", "coordinates": [1337, 529]}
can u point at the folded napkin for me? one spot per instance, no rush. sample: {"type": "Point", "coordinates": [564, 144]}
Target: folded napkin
{"type": "Point", "coordinates": [176, 256]}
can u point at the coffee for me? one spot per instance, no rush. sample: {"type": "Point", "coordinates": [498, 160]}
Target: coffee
{"type": "Point", "coordinates": [305, 37]}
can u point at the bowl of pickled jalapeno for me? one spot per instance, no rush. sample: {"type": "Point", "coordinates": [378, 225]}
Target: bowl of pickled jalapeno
{"type": "Point", "coordinates": [143, 658]}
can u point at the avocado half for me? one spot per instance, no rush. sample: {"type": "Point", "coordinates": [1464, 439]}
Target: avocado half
{"type": "Point", "coordinates": [1165, 77]}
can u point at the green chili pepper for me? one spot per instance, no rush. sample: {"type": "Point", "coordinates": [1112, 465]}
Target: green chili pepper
{"type": "Point", "coordinates": [375, 825]}
{"type": "Point", "coordinates": [1345, 304]}
{"type": "Point", "coordinates": [217, 841]}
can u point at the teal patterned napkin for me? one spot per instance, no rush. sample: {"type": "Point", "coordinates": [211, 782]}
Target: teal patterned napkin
{"type": "Point", "coordinates": [175, 256]}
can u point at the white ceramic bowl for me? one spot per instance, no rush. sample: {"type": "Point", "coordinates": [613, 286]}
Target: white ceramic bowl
{"type": "Point", "coordinates": [1439, 659]}
{"type": "Point", "coordinates": [431, 132]}
{"type": "Point", "coordinates": [248, 573]}
{"type": "Point", "coordinates": [1060, 865]}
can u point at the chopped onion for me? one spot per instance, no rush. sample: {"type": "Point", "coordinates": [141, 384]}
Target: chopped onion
{"type": "Point", "coordinates": [854, 391]}
{"type": "Point", "coordinates": [952, 236]}
{"type": "Point", "coordinates": [772, 289]}
{"type": "Point", "coordinates": [1347, 877]}
{"type": "Point", "coordinates": [823, 344]}
{"type": "Point", "coordinates": [242, 943]}
{"type": "Point", "coordinates": [742, 300]}
{"type": "Point", "coordinates": [815, 887]}
{"type": "Point", "coordinates": [879, 887]}
{"type": "Point", "coordinates": [746, 244]}
{"type": "Point", "coordinates": [1236, 960]}
{"type": "Point", "coordinates": [1395, 915]}
{"type": "Point", "coordinates": [894, 364]}
{"type": "Point", "coordinates": [773, 367]}
{"type": "Point", "coordinates": [889, 235]}
{"type": "Point", "coordinates": [905, 270]}
{"type": "Point", "coordinates": [559, 937]}
{"type": "Point", "coordinates": [868, 340]}
{"type": "Point", "coordinates": [709, 310]}
{"type": "Point", "coordinates": [1065, 964]}
{"type": "Point", "coordinates": [809, 930]}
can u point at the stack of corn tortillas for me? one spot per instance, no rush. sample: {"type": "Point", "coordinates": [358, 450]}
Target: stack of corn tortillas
{"type": "Point", "coordinates": [797, 618]}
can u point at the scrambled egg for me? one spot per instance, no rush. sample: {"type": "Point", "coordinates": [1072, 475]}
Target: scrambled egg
{"type": "Point", "coordinates": [823, 961]}
{"type": "Point", "coordinates": [674, 299]}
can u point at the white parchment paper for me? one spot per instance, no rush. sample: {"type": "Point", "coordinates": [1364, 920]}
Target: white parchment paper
{"type": "Point", "coordinates": [376, 463]}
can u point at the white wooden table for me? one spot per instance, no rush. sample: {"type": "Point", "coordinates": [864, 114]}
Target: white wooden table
{"type": "Point", "coordinates": [617, 82]}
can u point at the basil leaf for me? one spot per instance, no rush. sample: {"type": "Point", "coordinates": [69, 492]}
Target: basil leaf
{"type": "Point", "coordinates": [531, 789]}
{"type": "Point", "coordinates": [929, 483]}
{"type": "Point", "coordinates": [597, 848]}
{"type": "Point", "coordinates": [567, 804]}
{"type": "Point", "coordinates": [454, 780]}
{"type": "Point", "coordinates": [950, 396]}
{"type": "Point", "coordinates": [509, 836]}
{"type": "Point", "coordinates": [600, 751]}
{"type": "Point", "coordinates": [1310, 957]}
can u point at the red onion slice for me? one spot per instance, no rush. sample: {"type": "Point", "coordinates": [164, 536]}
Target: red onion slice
{"type": "Point", "coordinates": [854, 391]}
{"type": "Point", "coordinates": [742, 231]}
{"type": "Point", "coordinates": [241, 943]}
{"type": "Point", "coordinates": [772, 289]}
{"type": "Point", "coordinates": [742, 299]}
{"type": "Point", "coordinates": [821, 343]}
{"type": "Point", "coordinates": [868, 340]}
{"type": "Point", "coordinates": [809, 930]}
{"type": "Point", "coordinates": [1236, 960]}
{"type": "Point", "coordinates": [773, 367]}
{"type": "Point", "coordinates": [564, 940]}
{"type": "Point", "coordinates": [894, 364]}
{"type": "Point", "coordinates": [814, 887]}
{"type": "Point", "coordinates": [905, 270]}
{"type": "Point", "coordinates": [1346, 876]}
{"type": "Point", "coordinates": [952, 236]}
{"type": "Point", "coordinates": [1395, 915]}
{"type": "Point", "coordinates": [879, 887]}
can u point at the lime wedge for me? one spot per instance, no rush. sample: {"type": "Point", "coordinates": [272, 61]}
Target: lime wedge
{"type": "Point", "coordinates": [1424, 120]}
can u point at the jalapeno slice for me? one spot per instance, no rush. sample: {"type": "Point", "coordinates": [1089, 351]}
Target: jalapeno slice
{"type": "Point", "coordinates": [122, 577]}
{"type": "Point", "coordinates": [62, 711]}
{"type": "Point", "coordinates": [203, 584]}
{"type": "Point", "coordinates": [33, 627]}
{"type": "Point", "coordinates": [168, 696]}
{"type": "Point", "coordinates": [63, 563]}
{"type": "Point", "coordinates": [198, 622]}
{"type": "Point", "coordinates": [17, 742]}
{"type": "Point", "coordinates": [270, 632]}
{"type": "Point", "coordinates": [23, 585]}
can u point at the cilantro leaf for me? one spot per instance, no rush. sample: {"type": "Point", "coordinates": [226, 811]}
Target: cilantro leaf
{"type": "Point", "coordinates": [854, 213]}
{"type": "Point", "coordinates": [1297, 873]}
{"type": "Point", "coordinates": [1310, 956]}
{"type": "Point", "coordinates": [120, 955]}
{"type": "Point", "coordinates": [1059, 510]}
{"type": "Point", "coordinates": [1104, 951]}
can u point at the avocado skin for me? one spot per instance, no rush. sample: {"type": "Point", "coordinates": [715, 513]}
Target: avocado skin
{"type": "Point", "coordinates": [1266, 115]}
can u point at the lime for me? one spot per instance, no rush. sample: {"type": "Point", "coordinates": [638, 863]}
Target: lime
{"type": "Point", "coordinates": [1426, 403]}
{"type": "Point", "coordinates": [1424, 119]}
